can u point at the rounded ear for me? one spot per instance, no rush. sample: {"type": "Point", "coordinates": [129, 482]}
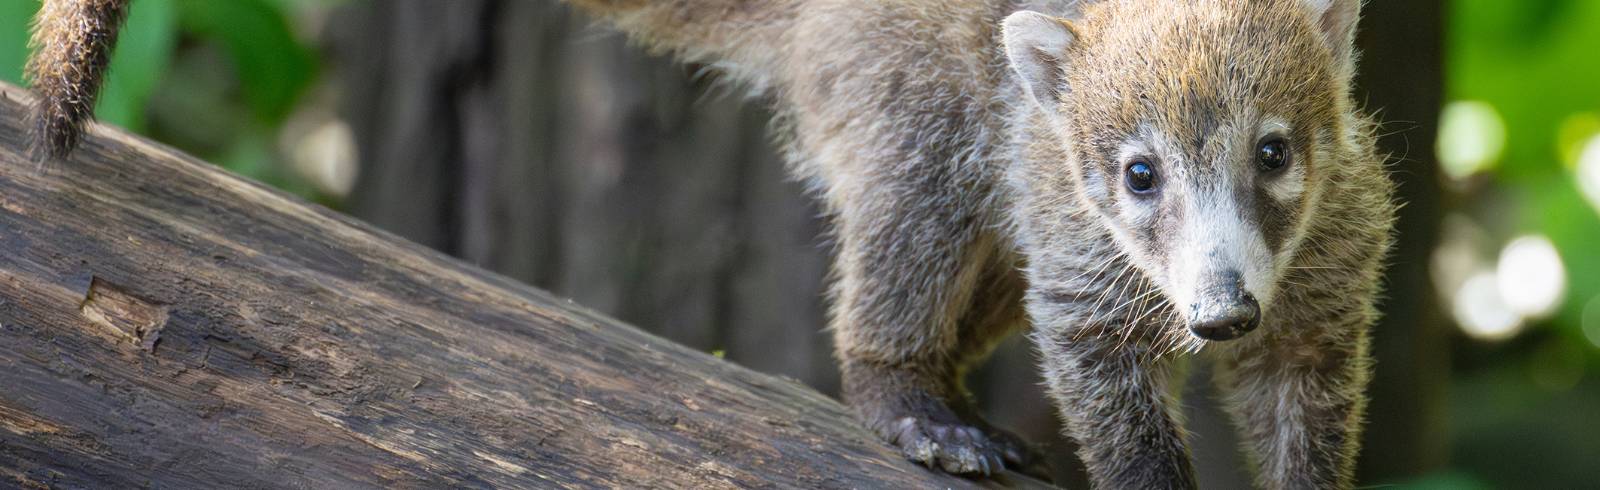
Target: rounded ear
{"type": "Point", "coordinates": [1036, 46]}
{"type": "Point", "coordinates": [1336, 19]}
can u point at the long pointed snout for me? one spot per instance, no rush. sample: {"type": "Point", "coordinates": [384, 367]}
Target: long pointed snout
{"type": "Point", "coordinates": [1224, 310]}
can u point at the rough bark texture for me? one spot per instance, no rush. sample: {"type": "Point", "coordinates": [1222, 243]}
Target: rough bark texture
{"type": "Point", "coordinates": [164, 324]}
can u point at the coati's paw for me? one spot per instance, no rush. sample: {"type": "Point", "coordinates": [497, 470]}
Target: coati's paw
{"type": "Point", "coordinates": [953, 447]}
{"type": "Point", "coordinates": [1019, 455]}
{"type": "Point", "coordinates": [941, 432]}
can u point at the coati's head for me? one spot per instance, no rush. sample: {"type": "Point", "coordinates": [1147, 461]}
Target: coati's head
{"type": "Point", "coordinates": [1199, 133]}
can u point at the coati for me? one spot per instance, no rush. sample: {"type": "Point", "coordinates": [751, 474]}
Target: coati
{"type": "Point", "coordinates": [1127, 180]}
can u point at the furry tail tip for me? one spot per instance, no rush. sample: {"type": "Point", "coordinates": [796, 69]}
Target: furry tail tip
{"type": "Point", "coordinates": [72, 43]}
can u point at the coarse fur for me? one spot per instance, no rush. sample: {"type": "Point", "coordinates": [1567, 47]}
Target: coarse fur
{"type": "Point", "coordinates": [971, 155]}
{"type": "Point", "coordinates": [72, 41]}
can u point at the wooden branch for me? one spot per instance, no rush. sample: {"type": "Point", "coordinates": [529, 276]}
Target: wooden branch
{"type": "Point", "coordinates": [165, 324]}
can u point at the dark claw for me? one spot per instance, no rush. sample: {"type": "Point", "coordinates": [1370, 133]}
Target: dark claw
{"type": "Point", "coordinates": [1014, 454]}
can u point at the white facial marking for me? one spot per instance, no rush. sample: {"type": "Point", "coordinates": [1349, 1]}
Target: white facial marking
{"type": "Point", "coordinates": [1216, 237]}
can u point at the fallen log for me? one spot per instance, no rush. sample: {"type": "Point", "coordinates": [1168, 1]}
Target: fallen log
{"type": "Point", "coordinates": [165, 324]}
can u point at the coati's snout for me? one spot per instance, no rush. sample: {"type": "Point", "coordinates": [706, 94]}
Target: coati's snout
{"type": "Point", "coordinates": [1223, 309]}
{"type": "Point", "coordinates": [1220, 274]}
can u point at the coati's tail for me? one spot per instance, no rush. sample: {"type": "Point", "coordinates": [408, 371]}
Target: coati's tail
{"type": "Point", "coordinates": [72, 42]}
{"type": "Point", "coordinates": [743, 37]}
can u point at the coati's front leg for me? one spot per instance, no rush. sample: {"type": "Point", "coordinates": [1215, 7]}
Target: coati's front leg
{"type": "Point", "coordinates": [1114, 396]}
{"type": "Point", "coordinates": [922, 291]}
{"type": "Point", "coordinates": [1297, 401]}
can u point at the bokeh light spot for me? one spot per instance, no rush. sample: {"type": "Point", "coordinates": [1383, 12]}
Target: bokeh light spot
{"type": "Point", "coordinates": [322, 148]}
{"type": "Point", "coordinates": [1530, 276]}
{"type": "Point", "coordinates": [1458, 255]}
{"type": "Point", "coordinates": [1471, 137]}
{"type": "Point", "coordinates": [1481, 311]}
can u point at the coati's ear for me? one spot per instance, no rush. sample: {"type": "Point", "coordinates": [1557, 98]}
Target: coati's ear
{"type": "Point", "coordinates": [1036, 45]}
{"type": "Point", "coordinates": [1336, 19]}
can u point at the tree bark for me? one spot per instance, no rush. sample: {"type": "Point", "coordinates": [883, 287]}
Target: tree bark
{"type": "Point", "coordinates": [164, 324]}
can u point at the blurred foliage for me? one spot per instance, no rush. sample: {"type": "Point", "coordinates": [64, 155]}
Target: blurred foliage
{"type": "Point", "coordinates": [218, 78]}
{"type": "Point", "coordinates": [1525, 412]}
{"type": "Point", "coordinates": [1537, 63]}
{"type": "Point", "coordinates": [215, 78]}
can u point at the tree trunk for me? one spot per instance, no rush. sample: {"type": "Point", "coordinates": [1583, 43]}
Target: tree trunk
{"type": "Point", "coordinates": [1402, 79]}
{"type": "Point", "coordinates": [164, 324]}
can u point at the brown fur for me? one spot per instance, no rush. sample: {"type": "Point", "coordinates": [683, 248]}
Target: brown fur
{"type": "Point", "coordinates": [72, 40]}
{"type": "Point", "coordinates": [973, 177]}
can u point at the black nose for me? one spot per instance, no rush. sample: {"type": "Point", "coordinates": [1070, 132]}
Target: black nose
{"type": "Point", "coordinates": [1225, 311]}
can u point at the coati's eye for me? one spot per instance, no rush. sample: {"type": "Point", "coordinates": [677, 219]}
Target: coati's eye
{"type": "Point", "coordinates": [1273, 154]}
{"type": "Point", "coordinates": [1141, 177]}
